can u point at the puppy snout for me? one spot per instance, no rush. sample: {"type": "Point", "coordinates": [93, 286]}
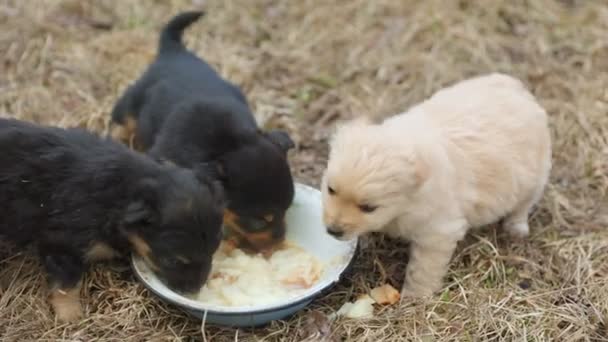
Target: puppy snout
{"type": "Point", "coordinates": [279, 231]}
{"type": "Point", "coordinates": [185, 287]}
{"type": "Point", "coordinates": [260, 234]}
{"type": "Point", "coordinates": [335, 231]}
{"type": "Point", "coordinates": [189, 280]}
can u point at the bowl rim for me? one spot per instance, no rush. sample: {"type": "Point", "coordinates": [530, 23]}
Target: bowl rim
{"type": "Point", "coordinates": [354, 243]}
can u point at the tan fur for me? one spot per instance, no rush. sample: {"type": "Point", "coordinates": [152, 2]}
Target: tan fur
{"type": "Point", "coordinates": [230, 217]}
{"type": "Point", "coordinates": [100, 251]}
{"type": "Point", "coordinates": [257, 239]}
{"type": "Point", "coordinates": [126, 133]}
{"type": "Point", "coordinates": [143, 250]}
{"type": "Point", "coordinates": [66, 304]}
{"type": "Point", "coordinates": [123, 132]}
{"type": "Point", "coordinates": [468, 156]}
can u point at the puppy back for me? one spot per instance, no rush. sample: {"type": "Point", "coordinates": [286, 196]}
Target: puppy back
{"type": "Point", "coordinates": [496, 136]}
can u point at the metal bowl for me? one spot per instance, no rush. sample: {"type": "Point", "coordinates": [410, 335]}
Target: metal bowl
{"type": "Point", "coordinates": [304, 228]}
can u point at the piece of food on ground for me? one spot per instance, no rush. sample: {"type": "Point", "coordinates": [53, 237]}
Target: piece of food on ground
{"type": "Point", "coordinates": [385, 294]}
{"type": "Point", "coordinates": [361, 308]}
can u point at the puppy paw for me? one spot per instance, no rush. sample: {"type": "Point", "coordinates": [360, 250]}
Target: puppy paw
{"type": "Point", "coordinates": [518, 230]}
{"type": "Point", "coordinates": [69, 313]}
{"type": "Point", "coordinates": [407, 296]}
{"type": "Point", "coordinates": [66, 305]}
{"type": "Point", "coordinates": [409, 293]}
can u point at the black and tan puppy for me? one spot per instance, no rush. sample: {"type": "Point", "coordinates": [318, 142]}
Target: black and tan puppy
{"type": "Point", "coordinates": [181, 111]}
{"type": "Point", "coordinates": [81, 198]}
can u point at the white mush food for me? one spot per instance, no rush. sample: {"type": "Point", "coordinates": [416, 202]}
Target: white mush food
{"type": "Point", "coordinates": [240, 279]}
{"type": "Point", "coordinates": [361, 308]}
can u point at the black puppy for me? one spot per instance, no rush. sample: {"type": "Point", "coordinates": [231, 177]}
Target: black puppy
{"type": "Point", "coordinates": [181, 111]}
{"type": "Point", "coordinates": [81, 198]}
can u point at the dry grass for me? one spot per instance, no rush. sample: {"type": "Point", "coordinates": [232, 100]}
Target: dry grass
{"type": "Point", "coordinates": [304, 65]}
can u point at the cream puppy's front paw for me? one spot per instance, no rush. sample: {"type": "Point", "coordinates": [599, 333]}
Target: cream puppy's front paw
{"type": "Point", "coordinates": [518, 229]}
{"type": "Point", "coordinates": [408, 293]}
{"type": "Point", "coordinates": [429, 259]}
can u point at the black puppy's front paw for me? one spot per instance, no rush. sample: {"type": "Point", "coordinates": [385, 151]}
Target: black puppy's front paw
{"type": "Point", "coordinates": [281, 139]}
{"type": "Point", "coordinates": [64, 271]}
{"type": "Point", "coordinates": [66, 304]}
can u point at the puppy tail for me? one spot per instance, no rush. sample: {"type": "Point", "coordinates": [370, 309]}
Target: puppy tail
{"type": "Point", "coordinates": [171, 35]}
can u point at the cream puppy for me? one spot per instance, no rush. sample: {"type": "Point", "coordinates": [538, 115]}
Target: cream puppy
{"type": "Point", "coordinates": [472, 154]}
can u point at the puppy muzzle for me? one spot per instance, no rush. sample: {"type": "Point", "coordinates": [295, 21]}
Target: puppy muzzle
{"type": "Point", "coordinates": [185, 289]}
{"type": "Point", "coordinates": [187, 283]}
{"type": "Point", "coordinates": [336, 232]}
{"type": "Point", "coordinates": [256, 233]}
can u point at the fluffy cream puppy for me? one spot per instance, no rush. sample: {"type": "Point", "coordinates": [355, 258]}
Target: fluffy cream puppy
{"type": "Point", "coordinates": [472, 154]}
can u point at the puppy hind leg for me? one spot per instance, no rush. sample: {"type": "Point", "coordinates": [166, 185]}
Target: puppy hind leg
{"type": "Point", "coordinates": [516, 223]}
{"type": "Point", "coordinates": [64, 271]}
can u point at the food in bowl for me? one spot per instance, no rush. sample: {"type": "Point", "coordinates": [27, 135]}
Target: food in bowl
{"type": "Point", "coordinates": [242, 279]}
{"type": "Point", "coordinates": [305, 229]}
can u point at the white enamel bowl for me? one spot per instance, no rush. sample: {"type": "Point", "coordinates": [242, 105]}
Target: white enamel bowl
{"type": "Point", "coordinates": [304, 228]}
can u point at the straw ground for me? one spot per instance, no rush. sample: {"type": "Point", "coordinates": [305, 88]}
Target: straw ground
{"type": "Point", "coordinates": [305, 65]}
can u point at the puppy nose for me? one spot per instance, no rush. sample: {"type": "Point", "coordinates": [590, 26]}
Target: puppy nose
{"type": "Point", "coordinates": [334, 231]}
{"type": "Point", "coordinates": [187, 289]}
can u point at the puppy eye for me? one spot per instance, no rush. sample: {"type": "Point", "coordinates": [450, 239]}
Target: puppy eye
{"type": "Point", "coordinates": [366, 208]}
{"type": "Point", "coordinates": [331, 190]}
{"type": "Point", "coordinates": [257, 224]}
{"type": "Point", "coordinates": [175, 262]}
{"type": "Point", "coordinates": [183, 260]}
{"type": "Point", "coordinates": [170, 262]}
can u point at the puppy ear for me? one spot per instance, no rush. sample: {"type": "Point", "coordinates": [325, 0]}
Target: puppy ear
{"type": "Point", "coordinates": [363, 121]}
{"type": "Point", "coordinates": [419, 171]}
{"type": "Point", "coordinates": [281, 139]}
{"type": "Point", "coordinates": [217, 192]}
{"type": "Point", "coordinates": [212, 175]}
{"type": "Point", "coordinates": [138, 214]}
{"type": "Point", "coordinates": [422, 171]}
{"type": "Point", "coordinates": [351, 127]}
{"type": "Point", "coordinates": [212, 169]}
{"type": "Point", "coordinates": [142, 210]}
{"type": "Point", "coordinates": [360, 121]}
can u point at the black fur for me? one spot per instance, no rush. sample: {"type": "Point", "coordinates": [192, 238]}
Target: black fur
{"type": "Point", "coordinates": [187, 114]}
{"type": "Point", "coordinates": [66, 190]}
